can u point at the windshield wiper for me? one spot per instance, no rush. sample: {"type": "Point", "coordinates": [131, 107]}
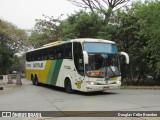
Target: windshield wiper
{"type": "Point", "coordinates": [114, 74]}
{"type": "Point", "coordinates": [112, 71]}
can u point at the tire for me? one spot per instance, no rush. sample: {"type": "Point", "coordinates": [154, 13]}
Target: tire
{"type": "Point", "coordinates": [36, 80]}
{"type": "Point", "coordinates": [68, 86]}
{"type": "Point", "coordinates": [32, 79]}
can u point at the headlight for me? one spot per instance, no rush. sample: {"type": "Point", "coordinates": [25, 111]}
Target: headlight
{"type": "Point", "coordinates": [91, 83]}
{"type": "Point", "coordinates": [118, 82]}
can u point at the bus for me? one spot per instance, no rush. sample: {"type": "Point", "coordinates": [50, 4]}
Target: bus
{"type": "Point", "coordinates": [83, 64]}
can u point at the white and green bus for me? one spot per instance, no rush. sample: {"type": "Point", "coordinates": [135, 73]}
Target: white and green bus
{"type": "Point", "coordinates": [80, 64]}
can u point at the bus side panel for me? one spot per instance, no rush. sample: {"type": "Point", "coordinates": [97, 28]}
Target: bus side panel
{"type": "Point", "coordinates": [54, 72]}
{"type": "Point", "coordinates": [41, 73]}
{"type": "Point", "coordinates": [48, 74]}
{"type": "Point", "coordinates": [68, 70]}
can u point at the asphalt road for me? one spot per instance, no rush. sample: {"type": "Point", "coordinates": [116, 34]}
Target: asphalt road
{"type": "Point", "coordinates": [46, 98]}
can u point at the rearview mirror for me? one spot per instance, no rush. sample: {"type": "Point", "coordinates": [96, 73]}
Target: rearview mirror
{"type": "Point", "coordinates": [85, 56]}
{"type": "Point", "coordinates": [126, 56]}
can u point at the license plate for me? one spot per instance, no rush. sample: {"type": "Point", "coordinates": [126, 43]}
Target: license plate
{"type": "Point", "coordinates": [105, 88]}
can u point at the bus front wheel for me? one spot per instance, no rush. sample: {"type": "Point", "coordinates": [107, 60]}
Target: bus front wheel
{"type": "Point", "coordinates": [68, 86]}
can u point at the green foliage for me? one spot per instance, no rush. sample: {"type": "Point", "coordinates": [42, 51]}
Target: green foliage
{"type": "Point", "coordinates": [138, 34]}
{"type": "Point", "coordinates": [81, 25]}
{"type": "Point", "coordinates": [18, 64]}
{"type": "Point", "coordinates": [15, 39]}
{"type": "Point", "coordinates": [107, 32]}
{"type": "Point", "coordinates": [38, 39]}
{"type": "Point", "coordinates": [45, 31]}
{"type": "Point", "coordinates": [103, 7]}
{"type": "Point", "coordinates": [78, 25]}
{"type": "Point", "coordinates": [149, 17]}
{"type": "Point", "coordinates": [12, 40]}
{"type": "Point", "coordinates": [6, 53]}
{"type": "Point", "coordinates": [128, 41]}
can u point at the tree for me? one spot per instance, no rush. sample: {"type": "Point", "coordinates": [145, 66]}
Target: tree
{"type": "Point", "coordinates": [16, 38]}
{"type": "Point", "coordinates": [78, 25]}
{"type": "Point", "coordinates": [138, 35]}
{"type": "Point", "coordinates": [104, 7]}
{"type": "Point", "coordinates": [6, 53]}
{"type": "Point", "coordinates": [37, 39]}
{"type": "Point", "coordinates": [128, 40]}
{"type": "Point", "coordinates": [81, 25]}
{"type": "Point", "coordinates": [12, 40]}
{"type": "Point", "coordinates": [149, 18]}
{"type": "Point", "coordinates": [46, 30]}
{"type": "Point", "coordinates": [18, 64]}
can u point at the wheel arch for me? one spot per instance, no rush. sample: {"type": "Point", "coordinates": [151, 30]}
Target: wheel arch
{"type": "Point", "coordinates": [68, 85]}
{"type": "Point", "coordinates": [66, 79]}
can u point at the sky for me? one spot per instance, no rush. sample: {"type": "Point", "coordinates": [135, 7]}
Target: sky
{"type": "Point", "coordinates": [22, 13]}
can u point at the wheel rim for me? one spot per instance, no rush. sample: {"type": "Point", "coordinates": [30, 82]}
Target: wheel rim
{"type": "Point", "coordinates": [32, 79]}
{"type": "Point", "coordinates": [36, 82]}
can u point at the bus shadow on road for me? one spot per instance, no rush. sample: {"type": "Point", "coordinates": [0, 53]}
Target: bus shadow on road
{"type": "Point", "coordinates": [52, 87]}
{"type": "Point", "coordinates": [95, 93]}
{"type": "Point", "coordinates": [59, 89]}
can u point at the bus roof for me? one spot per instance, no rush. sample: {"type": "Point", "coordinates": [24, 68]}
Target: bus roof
{"type": "Point", "coordinates": [50, 45]}
{"type": "Point", "coordinates": [91, 40]}
{"type": "Point", "coordinates": [81, 40]}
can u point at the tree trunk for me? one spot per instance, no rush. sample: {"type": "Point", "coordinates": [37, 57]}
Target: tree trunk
{"type": "Point", "coordinates": [108, 15]}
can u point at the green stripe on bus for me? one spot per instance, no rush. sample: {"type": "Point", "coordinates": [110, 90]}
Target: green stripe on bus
{"type": "Point", "coordinates": [51, 70]}
{"type": "Point", "coordinates": [56, 72]}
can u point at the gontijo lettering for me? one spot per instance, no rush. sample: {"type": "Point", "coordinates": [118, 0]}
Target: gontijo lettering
{"type": "Point", "coordinates": [40, 65]}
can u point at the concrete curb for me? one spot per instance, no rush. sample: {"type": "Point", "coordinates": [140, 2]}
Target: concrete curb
{"type": "Point", "coordinates": [141, 87]}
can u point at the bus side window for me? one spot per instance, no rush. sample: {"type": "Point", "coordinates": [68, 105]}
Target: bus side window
{"type": "Point", "coordinates": [68, 51]}
{"type": "Point", "coordinates": [59, 52]}
{"type": "Point", "coordinates": [49, 53]}
{"type": "Point", "coordinates": [39, 56]}
{"type": "Point", "coordinates": [28, 57]}
{"type": "Point", "coordinates": [33, 56]}
{"type": "Point", "coordinates": [44, 55]}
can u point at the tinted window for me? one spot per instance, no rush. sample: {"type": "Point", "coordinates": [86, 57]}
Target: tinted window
{"type": "Point", "coordinates": [68, 51]}
{"type": "Point", "coordinates": [56, 52]}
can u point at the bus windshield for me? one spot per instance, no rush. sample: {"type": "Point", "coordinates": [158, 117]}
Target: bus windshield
{"type": "Point", "coordinates": [100, 48]}
{"type": "Point", "coordinates": [103, 60]}
{"type": "Point", "coordinates": [103, 65]}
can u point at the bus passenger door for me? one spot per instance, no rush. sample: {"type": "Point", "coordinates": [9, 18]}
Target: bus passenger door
{"type": "Point", "coordinates": [78, 63]}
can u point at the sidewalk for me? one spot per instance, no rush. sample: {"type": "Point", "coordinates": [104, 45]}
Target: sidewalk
{"type": "Point", "coordinates": [8, 87]}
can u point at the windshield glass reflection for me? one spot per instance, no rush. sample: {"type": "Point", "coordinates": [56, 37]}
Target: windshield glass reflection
{"type": "Point", "coordinates": [103, 65]}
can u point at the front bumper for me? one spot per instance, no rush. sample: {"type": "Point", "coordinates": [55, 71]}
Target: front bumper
{"type": "Point", "coordinates": [92, 88]}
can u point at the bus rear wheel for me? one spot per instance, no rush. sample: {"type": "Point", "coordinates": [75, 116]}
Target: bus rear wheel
{"type": "Point", "coordinates": [32, 79]}
{"type": "Point", "coordinates": [35, 81]}
{"type": "Point", "coordinates": [68, 86]}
